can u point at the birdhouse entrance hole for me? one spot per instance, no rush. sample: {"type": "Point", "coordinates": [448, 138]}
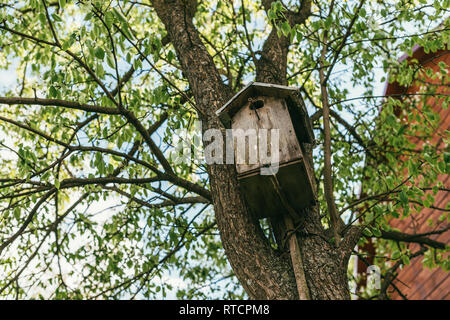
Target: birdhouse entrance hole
{"type": "Point", "coordinates": [256, 104]}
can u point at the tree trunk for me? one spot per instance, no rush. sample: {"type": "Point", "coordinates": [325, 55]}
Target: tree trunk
{"type": "Point", "coordinates": [265, 273]}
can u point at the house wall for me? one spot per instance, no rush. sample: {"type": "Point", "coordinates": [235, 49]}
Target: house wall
{"type": "Point", "coordinates": [415, 281]}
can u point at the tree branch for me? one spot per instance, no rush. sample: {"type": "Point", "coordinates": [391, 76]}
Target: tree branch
{"type": "Point", "coordinates": [390, 274]}
{"type": "Point", "coordinates": [327, 170]}
{"type": "Point", "coordinates": [413, 238]}
{"type": "Point", "coordinates": [272, 66]}
{"type": "Point", "coordinates": [58, 103]}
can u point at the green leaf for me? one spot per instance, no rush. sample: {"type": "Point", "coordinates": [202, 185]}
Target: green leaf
{"type": "Point", "coordinates": [404, 197]}
{"type": "Point", "coordinates": [43, 19]}
{"type": "Point", "coordinates": [67, 44]}
{"type": "Point", "coordinates": [53, 92]}
{"type": "Point", "coordinates": [17, 213]}
{"type": "Point", "coordinates": [286, 28]}
{"type": "Point", "coordinates": [390, 182]}
{"type": "Point", "coordinates": [109, 19]}
{"type": "Point", "coordinates": [362, 12]}
{"type": "Point", "coordinates": [405, 259]}
{"type": "Point", "coordinates": [88, 16]}
{"type": "Point", "coordinates": [376, 232]}
{"type": "Point", "coordinates": [110, 61]}
{"type": "Point", "coordinates": [271, 14]}
{"type": "Point", "coordinates": [396, 254]}
{"type": "Point", "coordinates": [99, 53]}
{"type": "Point", "coordinates": [170, 56]}
{"type": "Point", "coordinates": [56, 17]}
{"type": "Point", "coordinates": [120, 16]}
{"type": "Point", "coordinates": [127, 32]}
{"type": "Point", "coordinates": [402, 129]}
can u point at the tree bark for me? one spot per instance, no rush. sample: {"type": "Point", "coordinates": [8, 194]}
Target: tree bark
{"type": "Point", "coordinates": [265, 273]}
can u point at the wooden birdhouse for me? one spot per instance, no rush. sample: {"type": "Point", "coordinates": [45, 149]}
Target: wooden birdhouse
{"type": "Point", "coordinates": [261, 106]}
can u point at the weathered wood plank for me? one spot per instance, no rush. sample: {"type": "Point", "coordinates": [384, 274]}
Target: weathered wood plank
{"type": "Point", "coordinates": [273, 115]}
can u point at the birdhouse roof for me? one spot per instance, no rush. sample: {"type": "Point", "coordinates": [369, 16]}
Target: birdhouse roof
{"type": "Point", "coordinates": [253, 89]}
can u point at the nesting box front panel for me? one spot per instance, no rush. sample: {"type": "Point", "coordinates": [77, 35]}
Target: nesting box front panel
{"type": "Point", "coordinates": [271, 114]}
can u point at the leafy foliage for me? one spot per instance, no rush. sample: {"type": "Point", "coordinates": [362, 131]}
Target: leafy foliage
{"type": "Point", "coordinates": [92, 207]}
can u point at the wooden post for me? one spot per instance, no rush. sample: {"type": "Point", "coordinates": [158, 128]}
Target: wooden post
{"type": "Point", "coordinates": [294, 248]}
{"type": "Point", "coordinates": [297, 262]}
